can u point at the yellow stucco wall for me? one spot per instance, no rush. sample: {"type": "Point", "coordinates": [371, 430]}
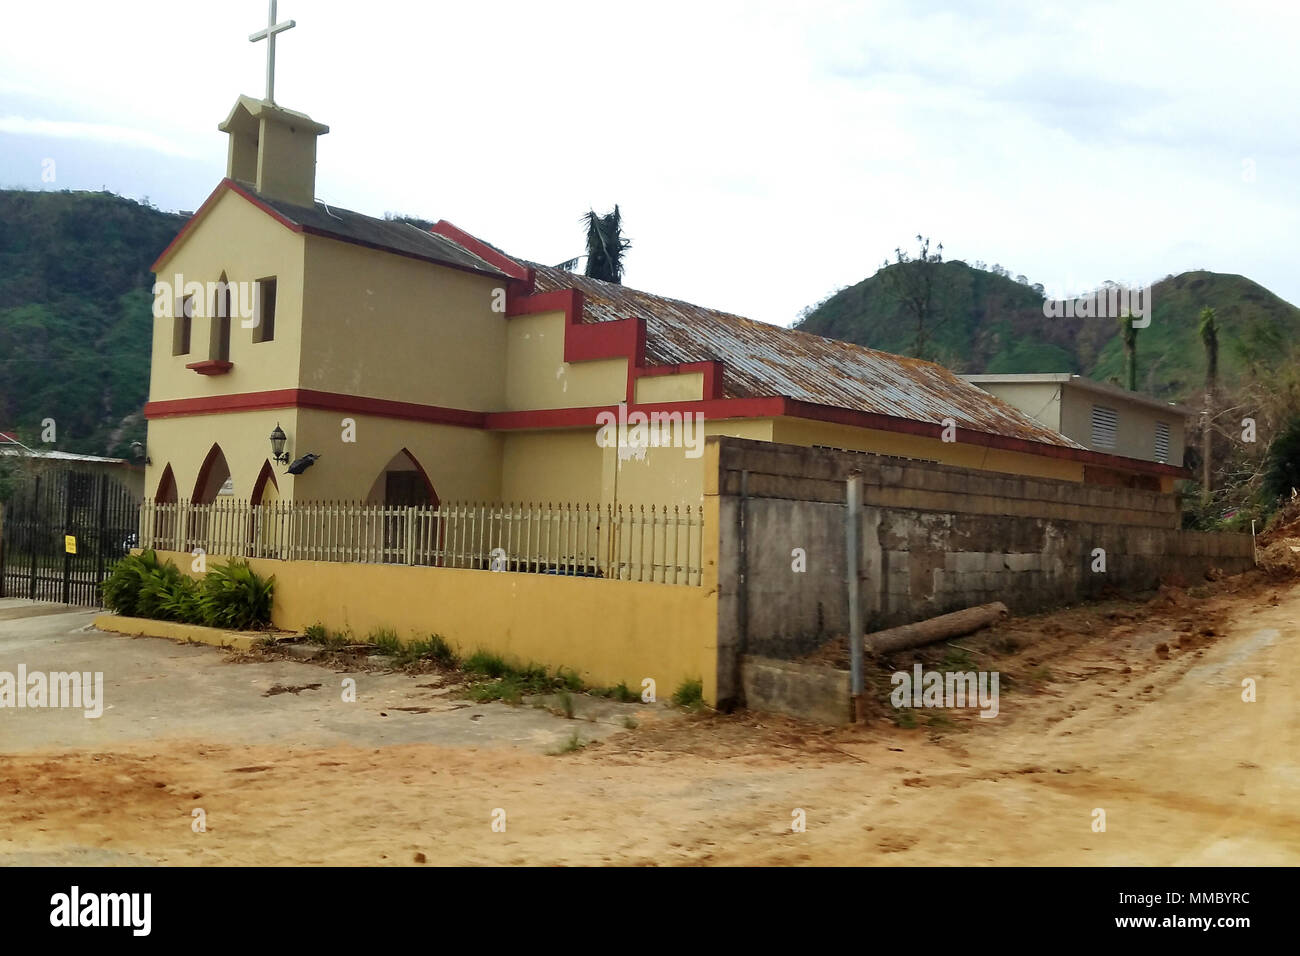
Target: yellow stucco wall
{"type": "Point", "coordinates": [798, 431]}
{"type": "Point", "coordinates": [464, 464]}
{"type": "Point", "coordinates": [538, 377]}
{"type": "Point", "coordinates": [184, 442]}
{"type": "Point", "coordinates": [553, 466]}
{"type": "Point", "coordinates": [687, 387]}
{"type": "Point", "coordinates": [606, 631]}
{"type": "Point", "coordinates": [240, 240]}
{"type": "Point", "coordinates": [386, 326]}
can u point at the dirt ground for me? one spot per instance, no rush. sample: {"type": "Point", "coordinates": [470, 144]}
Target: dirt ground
{"type": "Point", "coordinates": [1134, 708]}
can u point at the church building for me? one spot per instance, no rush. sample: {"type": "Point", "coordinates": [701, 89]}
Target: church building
{"type": "Point", "coordinates": [403, 365]}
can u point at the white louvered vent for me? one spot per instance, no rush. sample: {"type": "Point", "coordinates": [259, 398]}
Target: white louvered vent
{"type": "Point", "coordinates": [1162, 442]}
{"type": "Point", "coordinates": [1104, 423]}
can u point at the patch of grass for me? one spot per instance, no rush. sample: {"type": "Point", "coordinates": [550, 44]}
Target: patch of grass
{"type": "Point", "coordinates": [630, 723]}
{"type": "Point", "coordinates": [957, 659]}
{"type": "Point", "coordinates": [386, 641]}
{"type": "Point", "coordinates": [905, 717]}
{"type": "Point", "coordinates": [690, 693]}
{"type": "Point", "coordinates": [505, 689]}
{"type": "Point", "coordinates": [566, 704]}
{"type": "Point", "coordinates": [573, 744]}
{"type": "Point", "coordinates": [498, 679]}
{"type": "Point", "coordinates": [435, 648]}
{"type": "Point", "coordinates": [318, 634]}
{"type": "Point", "coordinates": [620, 692]}
{"type": "Point", "coordinates": [486, 664]}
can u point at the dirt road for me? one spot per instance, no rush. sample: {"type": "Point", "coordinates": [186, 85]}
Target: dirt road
{"type": "Point", "coordinates": [1152, 731]}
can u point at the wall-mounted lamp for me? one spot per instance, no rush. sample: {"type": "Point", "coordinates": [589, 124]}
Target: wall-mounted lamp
{"type": "Point", "coordinates": [278, 438]}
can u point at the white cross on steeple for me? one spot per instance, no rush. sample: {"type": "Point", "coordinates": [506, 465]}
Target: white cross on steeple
{"type": "Point", "coordinates": [272, 28]}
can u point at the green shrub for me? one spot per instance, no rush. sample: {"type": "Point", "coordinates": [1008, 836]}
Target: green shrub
{"type": "Point", "coordinates": [163, 593]}
{"type": "Point", "coordinates": [234, 596]}
{"type": "Point", "coordinates": [121, 589]}
{"type": "Point", "coordinates": [175, 597]}
{"type": "Point", "coordinates": [690, 693]}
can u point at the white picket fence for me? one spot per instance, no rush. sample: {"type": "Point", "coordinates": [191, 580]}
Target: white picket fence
{"type": "Point", "coordinates": [620, 542]}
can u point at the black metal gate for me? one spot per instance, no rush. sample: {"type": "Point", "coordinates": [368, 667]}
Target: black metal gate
{"type": "Point", "coordinates": [62, 532]}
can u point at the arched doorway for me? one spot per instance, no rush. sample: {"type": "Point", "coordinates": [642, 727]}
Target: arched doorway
{"type": "Point", "coordinates": [165, 510]}
{"type": "Point", "coordinates": [402, 485]}
{"type": "Point", "coordinates": [268, 523]}
{"type": "Point", "coordinates": [213, 476]}
{"type": "Point", "coordinates": [266, 489]}
{"type": "Point", "coordinates": [207, 515]}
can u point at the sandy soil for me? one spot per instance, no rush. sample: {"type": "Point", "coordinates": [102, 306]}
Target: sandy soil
{"type": "Point", "coordinates": [1133, 709]}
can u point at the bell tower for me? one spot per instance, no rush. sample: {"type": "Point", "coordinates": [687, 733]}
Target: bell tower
{"type": "Point", "coordinates": [272, 149]}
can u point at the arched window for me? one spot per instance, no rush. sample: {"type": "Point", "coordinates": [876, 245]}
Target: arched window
{"type": "Point", "coordinates": [219, 343]}
{"type": "Point", "coordinates": [212, 476]}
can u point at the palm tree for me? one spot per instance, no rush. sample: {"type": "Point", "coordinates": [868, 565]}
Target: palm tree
{"type": "Point", "coordinates": [1130, 335]}
{"type": "Point", "coordinates": [605, 247]}
{"type": "Point", "coordinates": [1210, 339]}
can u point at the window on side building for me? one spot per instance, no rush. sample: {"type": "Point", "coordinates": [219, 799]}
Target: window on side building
{"type": "Point", "coordinates": [1105, 423]}
{"type": "Point", "coordinates": [1162, 442]}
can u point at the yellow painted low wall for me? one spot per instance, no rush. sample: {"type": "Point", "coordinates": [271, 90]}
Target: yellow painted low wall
{"type": "Point", "coordinates": [605, 631]}
{"type": "Point", "coordinates": [176, 631]}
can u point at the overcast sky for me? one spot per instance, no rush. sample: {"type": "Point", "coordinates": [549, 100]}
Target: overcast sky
{"type": "Point", "coordinates": [763, 155]}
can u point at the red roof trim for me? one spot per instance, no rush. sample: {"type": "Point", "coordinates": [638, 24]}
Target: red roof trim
{"type": "Point", "coordinates": [485, 252]}
{"type": "Point", "coordinates": [719, 408]}
{"type": "Point", "coordinates": [191, 222]}
{"type": "Point", "coordinates": [312, 398]}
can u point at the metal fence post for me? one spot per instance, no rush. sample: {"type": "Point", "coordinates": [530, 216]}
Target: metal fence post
{"type": "Point", "coordinates": [852, 524]}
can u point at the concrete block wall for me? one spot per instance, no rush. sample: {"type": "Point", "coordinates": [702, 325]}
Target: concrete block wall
{"type": "Point", "coordinates": [934, 538]}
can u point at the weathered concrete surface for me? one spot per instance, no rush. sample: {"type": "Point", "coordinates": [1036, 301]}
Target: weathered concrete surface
{"type": "Point", "coordinates": [934, 539]}
{"type": "Point", "coordinates": [807, 691]}
{"type": "Point", "coordinates": [156, 689]}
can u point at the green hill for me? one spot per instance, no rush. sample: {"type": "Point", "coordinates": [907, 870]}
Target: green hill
{"type": "Point", "coordinates": [76, 315]}
{"type": "Point", "coordinates": [988, 322]}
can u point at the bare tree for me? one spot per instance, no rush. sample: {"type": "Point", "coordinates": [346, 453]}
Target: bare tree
{"type": "Point", "coordinates": [1210, 339]}
{"type": "Point", "coordinates": [914, 283]}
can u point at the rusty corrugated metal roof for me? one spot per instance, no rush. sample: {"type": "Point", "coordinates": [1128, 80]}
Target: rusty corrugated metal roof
{"type": "Point", "coordinates": [764, 360]}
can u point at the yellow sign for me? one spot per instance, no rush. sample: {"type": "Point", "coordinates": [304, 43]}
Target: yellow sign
{"type": "Point", "coordinates": [70, 544]}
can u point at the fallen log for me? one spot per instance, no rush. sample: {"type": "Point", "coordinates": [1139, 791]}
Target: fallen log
{"type": "Point", "coordinates": [935, 629]}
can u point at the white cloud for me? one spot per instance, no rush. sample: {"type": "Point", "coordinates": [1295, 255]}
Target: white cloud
{"type": "Point", "coordinates": [95, 132]}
